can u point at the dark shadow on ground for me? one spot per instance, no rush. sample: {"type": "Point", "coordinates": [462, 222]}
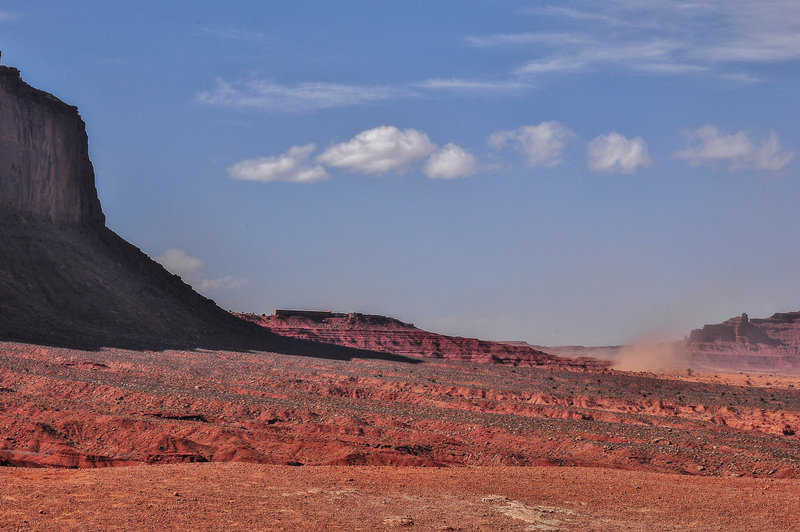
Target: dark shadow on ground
{"type": "Point", "coordinates": [257, 340]}
{"type": "Point", "coordinates": [84, 287]}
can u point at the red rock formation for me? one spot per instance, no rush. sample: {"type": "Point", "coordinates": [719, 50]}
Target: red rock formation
{"type": "Point", "coordinates": [388, 335]}
{"type": "Point", "coordinates": [742, 343]}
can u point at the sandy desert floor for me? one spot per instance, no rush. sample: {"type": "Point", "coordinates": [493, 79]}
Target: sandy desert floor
{"type": "Point", "coordinates": [269, 497]}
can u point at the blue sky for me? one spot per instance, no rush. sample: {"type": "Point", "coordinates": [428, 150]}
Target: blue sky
{"type": "Point", "coordinates": [557, 172]}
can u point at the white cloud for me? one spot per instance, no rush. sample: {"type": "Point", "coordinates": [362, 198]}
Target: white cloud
{"type": "Point", "coordinates": [650, 55]}
{"type": "Point", "coordinates": [379, 150]}
{"type": "Point", "coordinates": [542, 144]}
{"type": "Point", "coordinates": [450, 162]}
{"type": "Point", "coordinates": [267, 96]}
{"type": "Point", "coordinates": [614, 153]}
{"type": "Point", "coordinates": [293, 167]}
{"type": "Point", "coordinates": [190, 269]}
{"type": "Point", "coordinates": [179, 263]}
{"type": "Point", "coordinates": [553, 64]}
{"type": "Point", "coordinates": [709, 147]}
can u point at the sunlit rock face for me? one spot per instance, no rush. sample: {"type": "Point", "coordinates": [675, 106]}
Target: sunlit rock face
{"type": "Point", "coordinates": [742, 343]}
{"type": "Point", "coordinates": [45, 170]}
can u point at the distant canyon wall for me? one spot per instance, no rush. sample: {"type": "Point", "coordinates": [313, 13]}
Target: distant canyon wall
{"type": "Point", "coordinates": [45, 170]}
{"type": "Point", "coordinates": [742, 343]}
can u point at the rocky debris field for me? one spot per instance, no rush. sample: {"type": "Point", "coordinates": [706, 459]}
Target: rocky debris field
{"type": "Point", "coordinates": [70, 408]}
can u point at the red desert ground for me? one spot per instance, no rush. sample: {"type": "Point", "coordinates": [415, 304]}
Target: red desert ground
{"type": "Point", "coordinates": [321, 420]}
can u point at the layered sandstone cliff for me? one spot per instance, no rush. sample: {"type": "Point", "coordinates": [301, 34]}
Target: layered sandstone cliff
{"type": "Point", "coordinates": [742, 343]}
{"type": "Point", "coordinates": [389, 335]}
{"type": "Point", "coordinates": [45, 170]}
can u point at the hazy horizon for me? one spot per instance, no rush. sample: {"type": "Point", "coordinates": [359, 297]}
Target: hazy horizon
{"type": "Point", "coordinates": [551, 172]}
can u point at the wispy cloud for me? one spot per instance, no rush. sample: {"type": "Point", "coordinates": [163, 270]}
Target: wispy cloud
{"type": "Point", "coordinates": [191, 269]}
{"type": "Point", "coordinates": [5, 15]}
{"type": "Point", "coordinates": [708, 147]}
{"type": "Point", "coordinates": [654, 55]}
{"type": "Point", "coordinates": [721, 37]}
{"type": "Point", "coordinates": [614, 154]}
{"type": "Point", "coordinates": [270, 96]}
{"type": "Point", "coordinates": [292, 167]}
{"type": "Point", "coordinates": [473, 85]}
{"type": "Point", "coordinates": [520, 39]}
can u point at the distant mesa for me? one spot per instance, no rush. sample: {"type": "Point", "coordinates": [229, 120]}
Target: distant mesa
{"type": "Point", "coordinates": [389, 335]}
{"type": "Point", "coordinates": [742, 343]}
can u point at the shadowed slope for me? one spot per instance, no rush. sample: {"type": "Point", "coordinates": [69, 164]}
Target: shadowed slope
{"type": "Point", "coordinates": [84, 287]}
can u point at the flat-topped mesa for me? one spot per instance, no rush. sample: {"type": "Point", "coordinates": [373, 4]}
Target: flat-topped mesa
{"type": "Point", "coordinates": [45, 170]}
{"type": "Point", "coordinates": [740, 330]}
{"type": "Point", "coordinates": [744, 343]}
{"type": "Point", "coordinates": [389, 335]}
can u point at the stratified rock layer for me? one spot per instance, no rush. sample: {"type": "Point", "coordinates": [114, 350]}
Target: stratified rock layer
{"type": "Point", "coordinates": [45, 170]}
{"type": "Point", "coordinates": [388, 335]}
{"type": "Point", "coordinates": [742, 343]}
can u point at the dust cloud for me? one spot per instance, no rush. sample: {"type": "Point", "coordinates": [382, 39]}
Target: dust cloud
{"type": "Point", "coordinates": [651, 356]}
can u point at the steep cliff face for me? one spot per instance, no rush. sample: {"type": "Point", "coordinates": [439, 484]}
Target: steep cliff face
{"type": "Point", "coordinates": [742, 343]}
{"type": "Point", "coordinates": [45, 170]}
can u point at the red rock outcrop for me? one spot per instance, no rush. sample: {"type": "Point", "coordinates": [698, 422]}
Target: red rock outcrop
{"type": "Point", "coordinates": [741, 343]}
{"type": "Point", "coordinates": [389, 335]}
